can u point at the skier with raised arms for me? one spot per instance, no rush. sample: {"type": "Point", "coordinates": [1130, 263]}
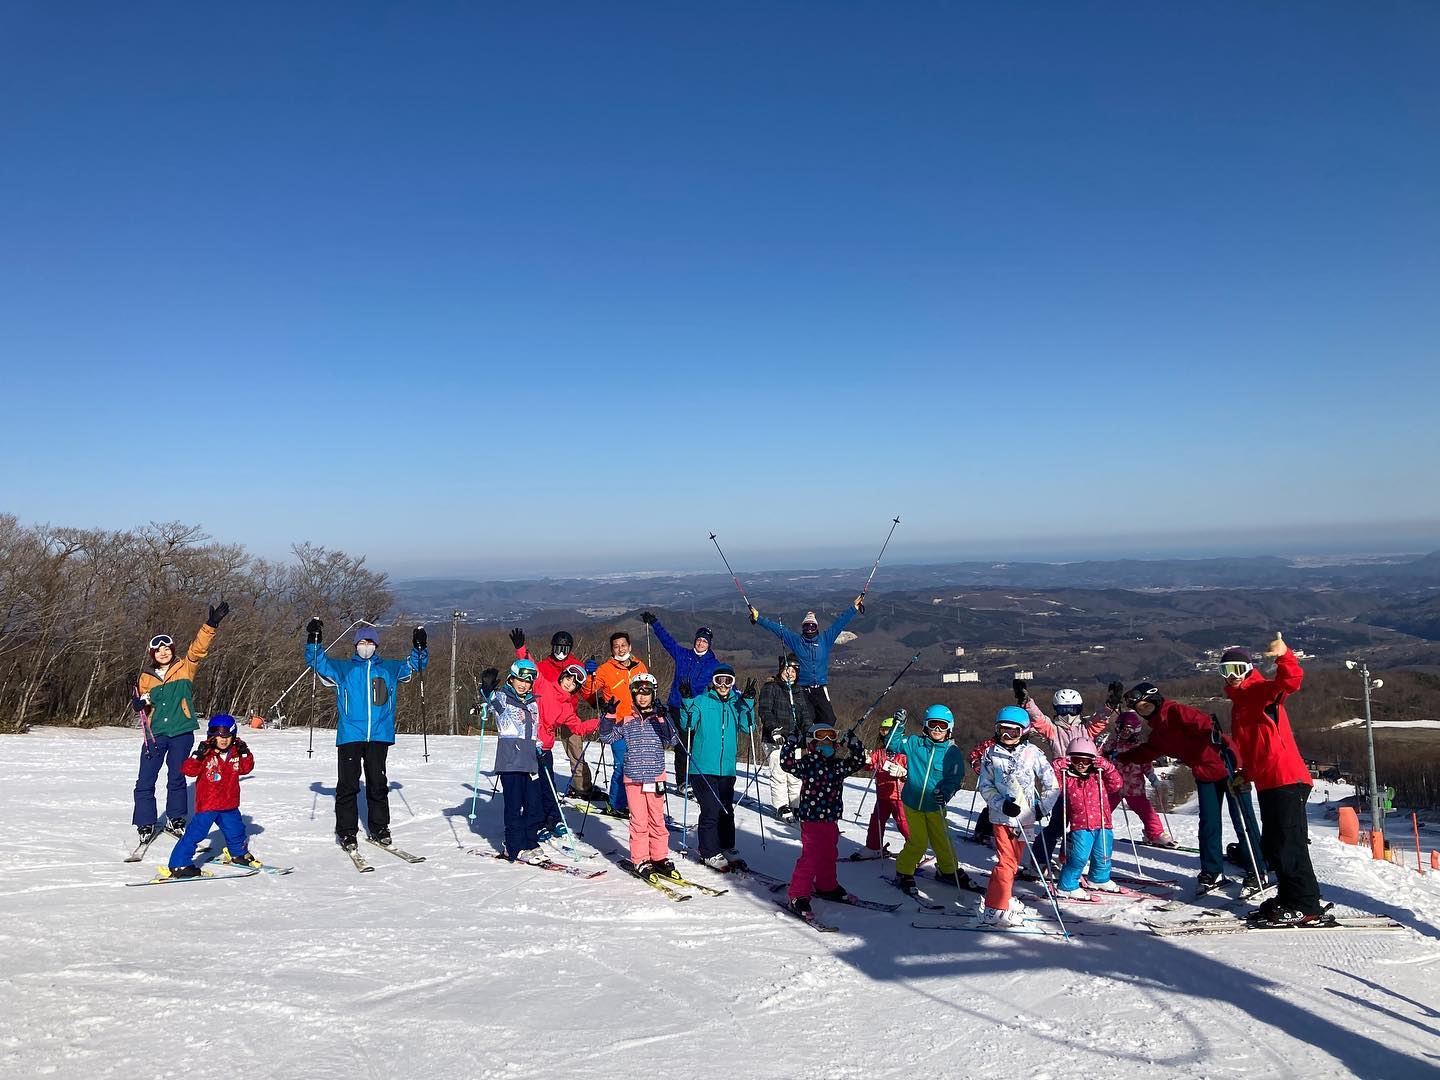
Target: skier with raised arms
{"type": "Point", "coordinates": [812, 647]}
{"type": "Point", "coordinates": [693, 664]}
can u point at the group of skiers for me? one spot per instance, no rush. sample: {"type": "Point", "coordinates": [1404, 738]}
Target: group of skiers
{"type": "Point", "coordinates": [701, 723]}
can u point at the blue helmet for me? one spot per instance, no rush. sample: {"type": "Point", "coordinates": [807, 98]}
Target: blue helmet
{"type": "Point", "coordinates": [524, 669]}
{"type": "Point", "coordinates": [222, 723]}
{"type": "Point", "coordinates": [939, 712]}
{"type": "Point", "coordinates": [1013, 714]}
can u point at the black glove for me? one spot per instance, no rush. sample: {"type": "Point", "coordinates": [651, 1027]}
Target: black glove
{"type": "Point", "coordinates": [517, 638]}
{"type": "Point", "coordinates": [1217, 738]}
{"type": "Point", "coordinates": [1116, 696]}
{"type": "Point", "coordinates": [1041, 818]}
{"type": "Point", "coordinates": [420, 639]}
{"type": "Point", "coordinates": [241, 748]}
{"type": "Point", "coordinates": [749, 688]}
{"type": "Point", "coordinates": [608, 705]}
{"type": "Point", "coordinates": [216, 614]}
{"type": "Point", "coordinates": [489, 680]}
{"type": "Point", "coordinates": [686, 690]}
{"type": "Point", "coordinates": [647, 618]}
{"type": "Point", "coordinates": [1010, 808]}
{"type": "Point", "coordinates": [201, 750]}
{"type": "Point", "coordinates": [138, 703]}
{"type": "Point", "coordinates": [1020, 686]}
{"type": "Point", "coordinates": [314, 631]}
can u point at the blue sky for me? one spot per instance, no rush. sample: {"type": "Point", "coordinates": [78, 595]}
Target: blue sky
{"type": "Point", "coordinates": [489, 289]}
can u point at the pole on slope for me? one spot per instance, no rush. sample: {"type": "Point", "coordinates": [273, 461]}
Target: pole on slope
{"type": "Point", "coordinates": [479, 754]}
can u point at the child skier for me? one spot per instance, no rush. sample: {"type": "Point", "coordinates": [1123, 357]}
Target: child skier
{"type": "Point", "coordinates": [516, 712]}
{"type": "Point", "coordinates": [822, 770]}
{"type": "Point", "coordinates": [1089, 786]}
{"type": "Point", "coordinates": [715, 720]}
{"type": "Point", "coordinates": [934, 769]}
{"type": "Point", "coordinates": [217, 765]}
{"type": "Point", "coordinates": [1126, 735]}
{"type": "Point", "coordinates": [888, 763]}
{"type": "Point", "coordinates": [1020, 789]}
{"type": "Point", "coordinates": [551, 666]}
{"type": "Point", "coordinates": [1065, 729]}
{"type": "Point", "coordinates": [646, 734]}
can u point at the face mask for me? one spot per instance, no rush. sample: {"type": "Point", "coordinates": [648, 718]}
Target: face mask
{"type": "Point", "coordinates": [559, 654]}
{"type": "Point", "coordinates": [826, 750]}
{"type": "Point", "coordinates": [365, 649]}
{"type": "Point", "coordinates": [624, 657]}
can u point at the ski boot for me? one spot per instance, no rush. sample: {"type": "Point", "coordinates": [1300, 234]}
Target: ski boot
{"type": "Point", "coordinates": [868, 854]}
{"type": "Point", "coordinates": [958, 880]}
{"type": "Point", "coordinates": [534, 856]}
{"type": "Point", "coordinates": [800, 906]}
{"type": "Point", "coordinates": [666, 869]}
{"type": "Point", "coordinates": [1209, 882]}
{"type": "Point", "coordinates": [838, 894]}
{"type": "Point", "coordinates": [1076, 893]}
{"type": "Point", "coordinates": [906, 883]}
{"type": "Point", "coordinates": [381, 836]}
{"type": "Point", "coordinates": [647, 871]}
{"type": "Point", "coordinates": [1250, 886]}
{"type": "Point", "coordinates": [248, 860]}
{"type": "Point", "coordinates": [1164, 840]}
{"type": "Point", "coordinates": [1280, 916]}
{"type": "Point", "coordinates": [147, 833]}
{"type": "Point", "coordinates": [347, 841]}
{"type": "Point", "coordinates": [718, 862]}
{"type": "Point", "coordinates": [732, 856]}
{"type": "Point", "coordinates": [175, 826]}
{"type": "Point", "coordinates": [184, 872]}
{"type": "Point", "coordinates": [1105, 886]}
{"type": "Point", "coordinates": [785, 814]}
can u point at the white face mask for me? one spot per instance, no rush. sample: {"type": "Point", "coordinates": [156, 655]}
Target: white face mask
{"type": "Point", "coordinates": [365, 649]}
{"type": "Point", "coordinates": [623, 657]}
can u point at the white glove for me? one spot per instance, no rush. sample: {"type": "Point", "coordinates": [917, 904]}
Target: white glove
{"type": "Point", "coordinates": [894, 768]}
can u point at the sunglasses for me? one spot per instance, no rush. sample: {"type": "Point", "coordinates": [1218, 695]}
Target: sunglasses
{"type": "Point", "coordinates": [161, 640]}
{"type": "Point", "coordinates": [1236, 669]}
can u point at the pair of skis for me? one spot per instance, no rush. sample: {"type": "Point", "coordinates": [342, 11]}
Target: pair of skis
{"type": "Point", "coordinates": [165, 877]}
{"type": "Point", "coordinates": [364, 866]}
{"type": "Point", "coordinates": [670, 887]}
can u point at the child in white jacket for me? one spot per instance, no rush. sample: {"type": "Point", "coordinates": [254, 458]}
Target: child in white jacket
{"type": "Point", "coordinates": [1019, 789]}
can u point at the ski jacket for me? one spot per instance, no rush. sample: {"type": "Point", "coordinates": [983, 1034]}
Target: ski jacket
{"type": "Point", "coordinates": [813, 653]}
{"type": "Point", "coordinates": [885, 783]}
{"type": "Point", "coordinates": [1087, 802]}
{"type": "Point", "coordinates": [612, 679]}
{"type": "Point", "coordinates": [646, 738]}
{"type": "Point", "coordinates": [715, 725]}
{"type": "Point", "coordinates": [690, 666]}
{"type": "Point", "coordinates": [1182, 732]}
{"type": "Point", "coordinates": [976, 753]}
{"type": "Point", "coordinates": [1061, 734]}
{"type": "Point", "coordinates": [550, 668]}
{"type": "Point", "coordinates": [172, 713]}
{"type": "Point", "coordinates": [934, 773]}
{"type": "Point", "coordinates": [785, 707]}
{"type": "Point", "coordinates": [517, 727]}
{"type": "Point", "coordinates": [217, 777]}
{"type": "Point", "coordinates": [557, 709]}
{"type": "Point", "coordinates": [1022, 775]}
{"type": "Point", "coordinates": [365, 691]}
{"type": "Point", "coordinates": [1261, 728]}
{"type": "Point", "coordinates": [822, 779]}
{"type": "Point", "coordinates": [1126, 735]}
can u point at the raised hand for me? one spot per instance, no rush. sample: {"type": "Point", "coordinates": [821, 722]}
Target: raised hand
{"type": "Point", "coordinates": [1277, 646]}
{"type": "Point", "coordinates": [647, 618]}
{"type": "Point", "coordinates": [517, 638]}
{"type": "Point", "coordinates": [314, 631]}
{"type": "Point", "coordinates": [1021, 688]}
{"type": "Point", "coordinates": [216, 614]}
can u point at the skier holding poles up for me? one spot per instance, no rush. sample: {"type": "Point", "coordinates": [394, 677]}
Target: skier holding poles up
{"type": "Point", "coordinates": [813, 650]}
{"type": "Point", "coordinates": [365, 699]}
{"type": "Point", "coordinates": [694, 665]}
{"type": "Point", "coordinates": [163, 694]}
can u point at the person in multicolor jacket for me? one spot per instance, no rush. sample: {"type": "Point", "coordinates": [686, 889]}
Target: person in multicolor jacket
{"type": "Point", "coordinates": [1089, 787]}
{"type": "Point", "coordinates": [1020, 790]}
{"type": "Point", "coordinates": [515, 710]}
{"type": "Point", "coordinates": [647, 733]}
{"type": "Point", "coordinates": [822, 770]}
{"type": "Point", "coordinates": [1065, 729]}
{"type": "Point", "coordinates": [162, 701]}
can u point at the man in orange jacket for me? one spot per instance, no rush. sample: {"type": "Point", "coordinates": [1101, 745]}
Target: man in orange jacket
{"type": "Point", "coordinates": [1266, 745]}
{"type": "Point", "coordinates": [612, 680]}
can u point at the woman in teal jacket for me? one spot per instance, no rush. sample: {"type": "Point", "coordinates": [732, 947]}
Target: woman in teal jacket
{"type": "Point", "coordinates": [713, 723]}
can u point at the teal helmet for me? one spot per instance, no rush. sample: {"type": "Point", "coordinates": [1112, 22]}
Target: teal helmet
{"type": "Point", "coordinates": [1013, 714]}
{"type": "Point", "coordinates": [524, 669]}
{"type": "Point", "coordinates": [939, 714]}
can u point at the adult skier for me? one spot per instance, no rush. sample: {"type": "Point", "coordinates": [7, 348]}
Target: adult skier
{"type": "Point", "coordinates": [570, 734]}
{"type": "Point", "coordinates": [785, 714]}
{"type": "Point", "coordinates": [612, 680]}
{"type": "Point", "coordinates": [694, 665]}
{"type": "Point", "coordinates": [163, 693]}
{"type": "Point", "coordinates": [715, 720]}
{"type": "Point", "coordinates": [813, 650]}
{"type": "Point", "coordinates": [365, 698]}
{"type": "Point", "coordinates": [1263, 736]}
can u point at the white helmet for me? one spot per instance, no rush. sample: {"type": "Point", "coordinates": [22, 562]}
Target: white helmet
{"type": "Point", "coordinates": [1068, 700]}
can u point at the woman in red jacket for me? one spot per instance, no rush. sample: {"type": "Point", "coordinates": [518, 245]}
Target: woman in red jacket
{"type": "Point", "coordinates": [1195, 739]}
{"type": "Point", "coordinates": [1262, 734]}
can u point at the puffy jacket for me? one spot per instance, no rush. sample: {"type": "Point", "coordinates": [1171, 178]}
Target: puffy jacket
{"type": "Point", "coordinates": [365, 691]}
{"type": "Point", "coordinates": [646, 738]}
{"type": "Point", "coordinates": [1022, 775]}
{"type": "Point", "coordinates": [814, 653]}
{"type": "Point", "coordinates": [935, 771]}
{"type": "Point", "coordinates": [550, 670]}
{"type": "Point", "coordinates": [1182, 732]}
{"type": "Point", "coordinates": [690, 666]}
{"type": "Point", "coordinates": [822, 791]}
{"type": "Point", "coordinates": [1060, 735]}
{"type": "Point", "coordinates": [1087, 802]}
{"type": "Point", "coordinates": [784, 706]}
{"type": "Point", "coordinates": [1261, 729]}
{"type": "Point", "coordinates": [517, 728]}
{"type": "Point", "coordinates": [172, 713]}
{"type": "Point", "coordinates": [612, 679]}
{"type": "Point", "coordinates": [557, 709]}
{"type": "Point", "coordinates": [217, 776]}
{"type": "Point", "coordinates": [885, 784]}
{"type": "Point", "coordinates": [715, 725]}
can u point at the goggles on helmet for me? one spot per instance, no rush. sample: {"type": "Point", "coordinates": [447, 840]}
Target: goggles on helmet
{"type": "Point", "coordinates": [1068, 710]}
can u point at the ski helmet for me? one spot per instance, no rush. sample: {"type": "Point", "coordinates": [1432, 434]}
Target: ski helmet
{"type": "Point", "coordinates": [1144, 691]}
{"type": "Point", "coordinates": [561, 644]}
{"type": "Point", "coordinates": [1014, 716]}
{"type": "Point", "coordinates": [524, 669]}
{"type": "Point", "coordinates": [577, 670]}
{"type": "Point", "coordinates": [643, 681]}
{"type": "Point", "coordinates": [1082, 747]}
{"type": "Point", "coordinates": [939, 714]}
{"type": "Point", "coordinates": [1067, 702]}
{"type": "Point", "coordinates": [222, 724]}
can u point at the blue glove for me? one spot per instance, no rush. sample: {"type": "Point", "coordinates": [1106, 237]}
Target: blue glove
{"type": "Point", "coordinates": [590, 666]}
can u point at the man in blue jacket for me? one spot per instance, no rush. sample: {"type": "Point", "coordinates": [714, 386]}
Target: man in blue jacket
{"type": "Point", "coordinates": [694, 665]}
{"type": "Point", "coordinates": [813, 649]}
{"type": "Point", "coordinates": [365, 705]}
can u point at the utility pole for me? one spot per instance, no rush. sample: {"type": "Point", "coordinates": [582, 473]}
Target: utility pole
{"type": "Point", "coordinates": [455, 617]}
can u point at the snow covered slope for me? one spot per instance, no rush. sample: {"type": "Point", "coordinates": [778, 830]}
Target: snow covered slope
{"type": "Point", "coordinates": [464, 966]}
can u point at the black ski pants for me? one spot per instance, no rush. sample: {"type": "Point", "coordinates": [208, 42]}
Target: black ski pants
{"type": "Point", "coordinates": [1285, 839]}
{"type": "Point", "coordinates": [377, 787]}
{"type": "Point", "coordinates": [820, 698]}
{"type": "Point", "coordinates": [716, 796]}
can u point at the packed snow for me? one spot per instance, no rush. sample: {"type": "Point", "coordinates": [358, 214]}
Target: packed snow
{"type": "Point", "coordinates": [466, 966]}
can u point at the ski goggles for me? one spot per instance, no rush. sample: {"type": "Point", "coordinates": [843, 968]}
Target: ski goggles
{"type": "Point", "coordinates": [1009, 731]}
{"type": "Point", "coordinates": [723, 680]}
{"type": "Point", "coordinates": [523, 675]}
{"type": "Point", "coordinates": [576, 672]}
{"type": "Point", "coordinates": [643, 684]}
{"type": "Point", "coordinates": [221, 733]}
{"type": "Point", "coordinates": [161, 640]}
{"type": "Point", "coordinates": [829, 735]}
{"type": "Point", "coordinates": [1236, 669]}
{"type": "Point", "coordinates": [1068, 710]}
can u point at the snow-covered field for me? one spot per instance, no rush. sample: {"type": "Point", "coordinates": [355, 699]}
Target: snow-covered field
{"type": "Point", "coordinates": [469, 967]}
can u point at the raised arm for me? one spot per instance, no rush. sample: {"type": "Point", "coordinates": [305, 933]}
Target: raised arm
{"type": "Point", "coordinates": [842, 620]}
{"type": "Point", "coordinates": [670, 645]}
{"type": "Point", "coordinates": [784, 633]}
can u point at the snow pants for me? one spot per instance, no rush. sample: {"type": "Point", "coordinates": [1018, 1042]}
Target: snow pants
{"type": "Point", "coordinates": [231, 824]}
{"type": "Point", "coordinates": [649, 838]}
{"type": "Point", "coordinates": [819, 853]}
{"type": "Point", "coordinates": [820, 698]}
{"type": "Point", "coordinates": [352, 756]}
{"type": "Point", "coordinates": [927, 830]}
{"type": "Point", "coordinates": [1009, 849]}
{"type": "Point", "coordinates": [579, 767]}
{"type": "Point", "coordinates": [784, 787]}
{"type": "Point", "coordinates": [617, 775]}
{"type": "Point", "coordinates": [887, 806]}
{"type": "Point", "coordinates": [525, 797]}
{"type": "Point", "coordinates": [547, 786]}
{"type": "Point", "coordinates": [1089, 849]}
{"type": "Point", "coordinates": [171, 752]}
{"type": "Point", "coordinates": [1286, 842]}
{"type": "Point", "coordinates": [1149, 819]}
{"type": "Point", "coordinates": [1211, 794]}
{"type": "Point", "coordinates": [716, 796]}
{"type": "Point", "coordinates": [682, 766]}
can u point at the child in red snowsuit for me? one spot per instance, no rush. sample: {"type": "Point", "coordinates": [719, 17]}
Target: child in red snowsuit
{"type": "Point", "coordinates": [889, 768]}
{"type": "Point", "coordinates": [217, 765]}
{"type": "Point", "coordinates": [822, 770]}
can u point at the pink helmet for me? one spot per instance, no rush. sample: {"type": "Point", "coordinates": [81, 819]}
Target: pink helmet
{"type": "Point", "coordinates": [1130, 719]}
{"type": "Point", "coordinates": [1082, 745]}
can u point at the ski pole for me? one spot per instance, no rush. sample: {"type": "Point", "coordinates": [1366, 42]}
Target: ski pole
{"type": "Point", "coordinates": [479, 754]}
{"type": "Point", "coordinates": [755, 775]}
{"type": "Point", "coordinates": [876, 703]}
{"type": "Point", "coordinates": [895, 522]}
{"type": "Point", "coordinates": [1054, 903]}
{"type": "Point", "coordinates": [285, 693]}
{"type": "Point", "coordinates": [314, 678]}
{"type": "Point", "coordinates": [424, 724]}
{"type": "Point", "coordinates": [733, 578]}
